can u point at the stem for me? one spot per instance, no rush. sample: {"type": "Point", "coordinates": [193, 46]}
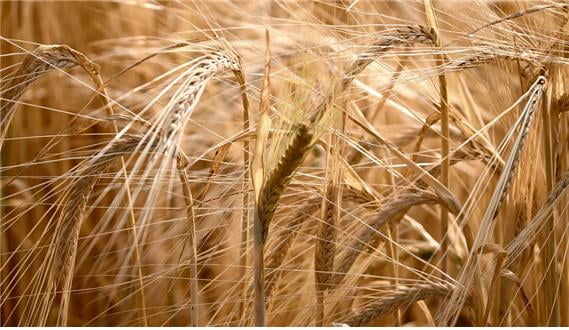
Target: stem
{"type": "Point", "coordinates": [551, 305]}
{"type": "Point", "coordinates": [445, 148]}
{"type": "Point", "coordinates": [445, 151]}
{"type": "Point", "coordinates": [243, 247]}
{"type": "Point", "coordinates": [194, 290]}
{"type": "Point", "coordinates": [494, 299]}
{"type": "Point", "coordinates": [258, 271]}
{"type": "Point", "coordinates": [393, 253]}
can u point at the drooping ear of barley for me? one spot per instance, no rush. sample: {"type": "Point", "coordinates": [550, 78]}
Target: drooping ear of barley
{"type": "Point", "coordinates": [166, 132]}
{"type": "Point", "coordinates": [41, 60]}
{"type": "Point", "coordinates": [464, 154]}
{"type": "Point", "coordinates": [185, 100]}
{"type": "Point", "coordinates": [390, 210]}
{"type": "Point", "coordinates": [362, 197]}
{"type": "Point", "coordinates": [486, 57]}
{"type": "Point", "coordinates": [178, 111]}
{"type": "Point", "coordinates": [67, 232]}
{"type": "Point", "coordinates": [401, 36]}
{"type": "Point", "coordinates": [404, 35]}
{"type": "Point", "coordinates": [517, 14]}
{"type": "Point", "coordinates": [401, 297]}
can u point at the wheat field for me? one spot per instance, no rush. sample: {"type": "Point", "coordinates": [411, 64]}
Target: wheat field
{"type": "Point", "coordinates": [284, 163]}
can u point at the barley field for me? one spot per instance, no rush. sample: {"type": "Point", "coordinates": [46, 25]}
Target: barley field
{"type": "Point", "coordinates": [284, 163]}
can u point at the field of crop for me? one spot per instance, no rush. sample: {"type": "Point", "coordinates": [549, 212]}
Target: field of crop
{"type": "Point", "coordinates": [284, 163]}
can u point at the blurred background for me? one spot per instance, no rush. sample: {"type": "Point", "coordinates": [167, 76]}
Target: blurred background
{"type": "Point", "coordinates": [310, 42]}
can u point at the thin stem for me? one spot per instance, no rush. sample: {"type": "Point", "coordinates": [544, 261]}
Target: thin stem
{"type": "Point", "coordinates": [551, 304]}
{"type": "Point", "coordinates": [258, 271]}
{"type": "Point", "coordinates": [190, 214]}
{"type": "Point", "coordinates": [444, 111]}
{"type": "Point", "coordinates": [243, 247]}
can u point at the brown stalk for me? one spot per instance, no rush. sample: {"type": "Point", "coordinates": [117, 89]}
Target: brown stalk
{"type": "Point", "coordinates": [257, 173]}
{"type": "Point", "coordinates": [493, 302]}
{"type": "Point", "coordinates": [523, 295]}
{"type": "Point", "coordinates": [550, 289]}
{"type": "Point", "coordinates": [193, 256]}
{"type": "Point", "coordinates": [240, 76]}
{"type": "Point", "coordinates": [445, 137]}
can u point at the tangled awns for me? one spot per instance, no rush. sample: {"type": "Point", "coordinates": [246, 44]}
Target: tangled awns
{"type": "Point", "coordinates": [284, 163]}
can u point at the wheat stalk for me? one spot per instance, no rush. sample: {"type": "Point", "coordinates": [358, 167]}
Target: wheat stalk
{"type": "Point", "coordinates": [193, 256]}
{"type": "Point", "coordinates": [551, 276]}
{"type": "Point", "coordinates": [240, 76]}
{"type": "Point", "coordinates": [444, 111]}
{"type": "Point", "coordinates": [67, 234]}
